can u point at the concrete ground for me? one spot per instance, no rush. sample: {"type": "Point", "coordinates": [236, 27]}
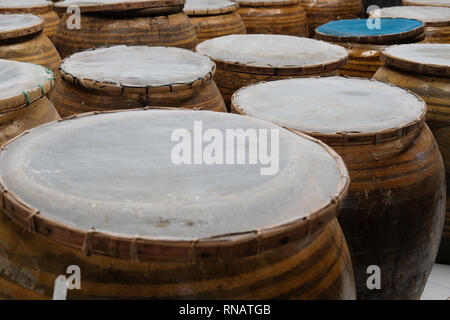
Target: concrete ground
{"type": "Point", "coordinates": [438, 285]}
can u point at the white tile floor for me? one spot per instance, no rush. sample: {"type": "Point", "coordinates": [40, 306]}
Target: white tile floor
{"type": "Point", "coordinates": [438, 285]}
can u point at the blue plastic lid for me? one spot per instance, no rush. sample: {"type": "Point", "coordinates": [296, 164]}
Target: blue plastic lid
{"type": "Point", "coordinates": [367, 28]}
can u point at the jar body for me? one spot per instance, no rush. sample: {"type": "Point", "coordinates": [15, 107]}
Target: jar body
{"type": "Point", "coordinates": [317, 268]}
{"type": "Point", "coordinates": [363, 59]}
{"type": "Point", "coordinates": [51, 20]}
{"type": "Point", "coordinates": [435, 91]}
{"type": "Point", "coordinates": [70, 99]}
{"type": "Point", "coordinates": [320, 12]}
{"type": "Point", "coordinates": [34, 49]}
{"type": "Point", "coordinates": [437, 35]}
{"type": "Point", "coordinates": [394, 213]}
{"type": "Point", "coordinates": [282, 19]}
{"type": "Point", "coordinates": [173, 30]}
{"type": "Point", "coordinates": [213, 26]}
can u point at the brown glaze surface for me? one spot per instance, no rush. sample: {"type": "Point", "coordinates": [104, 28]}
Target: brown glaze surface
{"type": "Point", "coordinates": [318, 269]}
{"type": "Point", "coordinates": [443, 139]}
{"type": "Point", "coordinates": [363, 60]}
{"type": "Point", "coordinates": [435, 90]}
{"type": "Point", "coordinates": [437, 34]}
{"type": "Point", "coordinates": [35, 48]}
{"type": "Point", "coordinates": [212, 26]}
{"type": "Point", "coordinates": [303, 258]}
{"type": "Point", "coordinates": [275, 19]}
{"type": "Point", "coordinates": [394, 213]}
{"type": "Point", "coordinates": [322, 11]}
{"type": "Point", "coordinates": [126, 8]}
{"type": "Point", "coordinates": [51, 23]}
{"type": "Point", "coordinates": [70, 98]}
{"type": "Point", "coordinates": [174, 30]}
{"type": "Point", "coordinates": [383, 224]}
